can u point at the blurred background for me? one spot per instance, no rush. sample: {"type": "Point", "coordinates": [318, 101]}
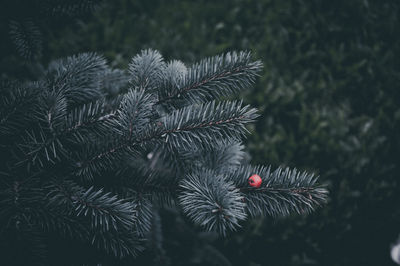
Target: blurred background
{"type": "Point", "coordinates": [329, 99]}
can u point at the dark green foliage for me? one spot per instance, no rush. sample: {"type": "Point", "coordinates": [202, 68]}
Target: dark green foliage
{"type": "Point", "coordinates": [84, 172]}
{"type": "Point", "coordinates": [156, 241]}
{"type": "Point", "coordinates": [25, 28]}
{"type": "Point", "coordinates": [14, 97]}
{"type": "Point", "coordinates": [220, 157]}
{"type": "Point", "coordinates": [70, 8]}
{"type": "Point", "coordinates": [26, 38]}
{"type": "Point", "coordinates": [329, 101]}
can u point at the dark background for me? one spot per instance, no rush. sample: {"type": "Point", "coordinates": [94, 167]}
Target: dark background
{"type": "Point", "coordinates": [329, 99]}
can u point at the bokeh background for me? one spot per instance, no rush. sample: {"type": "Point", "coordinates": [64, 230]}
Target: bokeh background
{"type": "Point", "coordinates": [329, 99]}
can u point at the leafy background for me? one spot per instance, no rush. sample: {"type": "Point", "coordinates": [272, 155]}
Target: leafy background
{"type": "Point", "coordinates": [329, 100]}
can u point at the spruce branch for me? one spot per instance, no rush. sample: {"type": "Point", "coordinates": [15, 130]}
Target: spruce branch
{"type": "Point", "coordinates": [214, 77]}
{"type": "Point", "coordinates": [193, 125]}
{"type": "Point", "coordinates": [52, 110]}
{"type": "Point", "coordinates": [211, 201]}
{"type": "Point", "coordinates": [168, 141]}
{"type": "Point", "coordinates": [57, 129]}
{"type": "Point", "coordinates": [73, 73]}
{"type": "Point", "coordinates": [108, 210]}
{"type": "Point", "coordinates": [113, 218]}
{"type": "Point", "coordinates": [39, 147]}
{"type": "Point", "coordinates": [132, 128]}
{"type": "Point", "coordinates": [282, 192]}
{"type": "Point", "coordinates": [91, 119]}
{"type": "Point", "coordinates": [134, 113]}
{"type": "Point", "coordinates": [174, 73]}
{"type": "Point", "coordinates": [146, 69]}
{"type": "Point", "coordinates": [173, 76]}
{"type": "Point", "coordinates": [16, 102]}
{"type": "Point", "coordinates": [39, 143]}
{"type": "Point", "coordinates": [104, 210]}
{"type": "Point", "coordinates": [204, 124]}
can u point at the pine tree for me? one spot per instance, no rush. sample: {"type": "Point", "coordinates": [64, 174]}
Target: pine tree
{"type": "Point", "coordinates": [89, 155]}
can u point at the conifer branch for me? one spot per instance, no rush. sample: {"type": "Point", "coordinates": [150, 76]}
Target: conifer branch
{"type": "Point", "coordinates": [199, 125]}
{"type": "Point", "coordinates": [104, 210]}
{"type": "Point", "coordinates": [211, 201]}
{"type": "Point", "coordinates": [217, 76]}
{"type": "Point", "coordinates": [170, 140]}
{"type": "Point", "coordinates": [282, 191]}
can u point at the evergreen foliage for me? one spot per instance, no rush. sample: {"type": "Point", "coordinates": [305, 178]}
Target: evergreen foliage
{"type": "Point", "coordinates": [25, 27]}
{"type": "Point", "coordinates": [328, 100]}
{"type": "Point", "coordinates": [89, 154]}
{"type": "Point", "coordinates": [27, 39]}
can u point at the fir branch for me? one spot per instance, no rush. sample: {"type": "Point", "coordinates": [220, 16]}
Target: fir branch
{"type": "Point", "coordinates": [107, 209]}
{"type": "Point", "coordinates": [134, 113]}
{"type": "Point", "coordinates": [49, 139]}
{"type": "Point", "coordinates": [73, 73]}
{"type": "Point", "coordinates": [104, 210]}
{"type": "Point", "coordinates": [16, 104]}
{"type": "Point", "coordinates": [206, 123]}
{"type": "Point", "coordinates": [173, 76]}
{"type": "Point", "coordinates": [146, 69]}
{"type": "Point", "coordinates": [211, 201]}
{"type": "Point", "coordinates": [112, 220]}
{"type": "Point", "coordinates": [167, 140]}
{"type": "Point", "coordinates": [38, 147]}
{"type": "Point", "coordinates": [282, 191]}
{"type": "Point", "coordinates": [132, 129]}
{"type": "Point", "coordinates": [94, 118]}
{"type": "Point", "coordinates": [39, 143]}
{"type": "Point", "coordinates": [194, 125]}
{"type": "Point", "coordinates": [51, 110]}
{"type": "Point", "coordinates": [214, 77]}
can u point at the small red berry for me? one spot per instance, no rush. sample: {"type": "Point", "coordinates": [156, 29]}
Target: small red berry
{"type": "Point", "coordinates": [255, 181]}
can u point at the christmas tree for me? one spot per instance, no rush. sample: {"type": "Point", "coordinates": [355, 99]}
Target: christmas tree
{"type": "Point", "coordinates": [89, 154]}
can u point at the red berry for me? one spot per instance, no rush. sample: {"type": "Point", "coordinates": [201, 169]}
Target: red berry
{"type": "Point", "coordinates": [255, 181]}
